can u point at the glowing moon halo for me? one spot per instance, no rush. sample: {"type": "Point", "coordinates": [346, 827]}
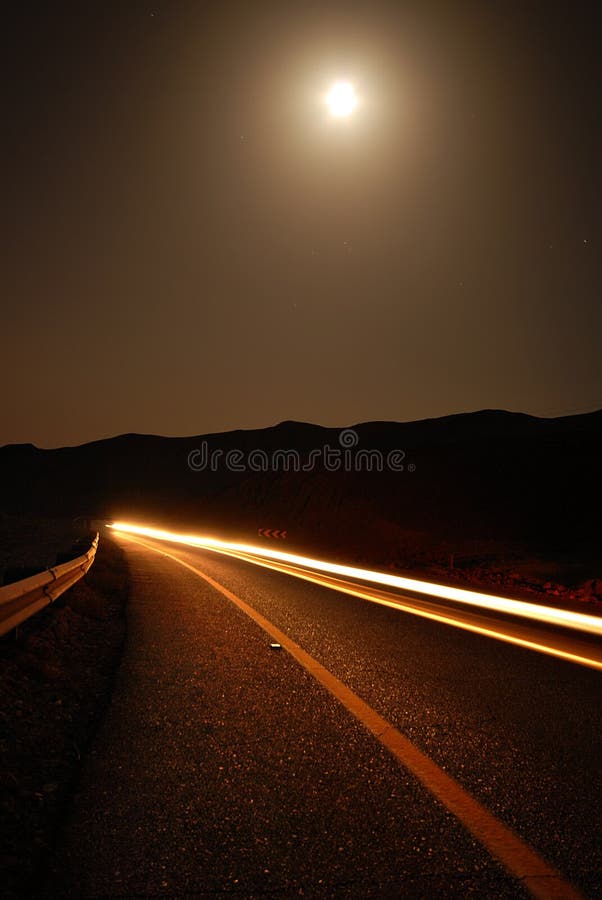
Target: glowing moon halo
{"type": "Point", "coordinates": [341, 99]}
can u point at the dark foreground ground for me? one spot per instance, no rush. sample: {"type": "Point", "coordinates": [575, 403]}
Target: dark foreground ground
{"type": "Point", "coordinates": [56, 676]}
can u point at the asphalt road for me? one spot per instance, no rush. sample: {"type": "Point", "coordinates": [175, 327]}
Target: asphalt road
{"type": "Point", "coordinates": [223, 767]}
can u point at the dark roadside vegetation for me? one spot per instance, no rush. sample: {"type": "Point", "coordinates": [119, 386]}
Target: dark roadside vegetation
{"type": "Point", "coordinates": [56, 676]}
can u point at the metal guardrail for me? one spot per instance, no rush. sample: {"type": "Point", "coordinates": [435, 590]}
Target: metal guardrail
{"type": "Point", "coordinates": [22, 599]}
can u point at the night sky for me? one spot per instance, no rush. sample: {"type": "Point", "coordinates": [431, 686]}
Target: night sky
{"type": "Point", "coordinates": [191, 243]}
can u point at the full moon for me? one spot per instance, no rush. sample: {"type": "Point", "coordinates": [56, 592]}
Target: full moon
{"type": "Point", "coordinates": [341, 99]}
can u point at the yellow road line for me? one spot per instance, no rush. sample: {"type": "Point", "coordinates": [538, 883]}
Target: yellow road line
{"type": "Point", "coordinates": [539, 878]}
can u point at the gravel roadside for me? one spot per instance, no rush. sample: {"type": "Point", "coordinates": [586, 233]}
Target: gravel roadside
{"type": "Point", "coordinates": [56, 676]}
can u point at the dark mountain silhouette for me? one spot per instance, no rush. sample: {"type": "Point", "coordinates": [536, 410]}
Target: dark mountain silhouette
{"type": "Point", "coordinates": [471, 481]}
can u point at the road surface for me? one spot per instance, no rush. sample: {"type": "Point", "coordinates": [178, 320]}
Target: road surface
{"type": "Point", "coordinates": [224, 766]}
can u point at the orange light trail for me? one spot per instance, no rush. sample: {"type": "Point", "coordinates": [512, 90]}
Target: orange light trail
{"type": "Point", "coordinates": [315, 569]}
